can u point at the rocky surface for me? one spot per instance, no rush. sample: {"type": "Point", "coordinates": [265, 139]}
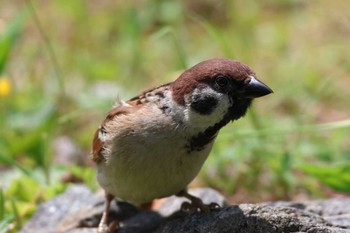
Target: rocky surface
{"type": "Point", "coordinates": [78, 211]}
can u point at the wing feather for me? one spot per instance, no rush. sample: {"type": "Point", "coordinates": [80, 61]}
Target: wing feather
{"type": "Point", "coordinates": [122, 108]}
{"type": "Point", "coordinates": [98, 143]}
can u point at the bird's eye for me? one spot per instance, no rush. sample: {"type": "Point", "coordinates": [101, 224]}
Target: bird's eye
{"type": "Point", "coordinates": [222, 81]}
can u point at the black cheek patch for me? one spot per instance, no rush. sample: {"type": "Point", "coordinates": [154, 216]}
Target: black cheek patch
{"type": "Point", "coordinates": [204, 104]}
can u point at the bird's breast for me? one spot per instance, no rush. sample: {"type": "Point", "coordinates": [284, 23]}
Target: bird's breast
{"type": "Point", "coordinates": [149, 161]}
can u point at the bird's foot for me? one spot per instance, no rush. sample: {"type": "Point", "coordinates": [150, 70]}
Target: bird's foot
{"type": "Point", "coordinates": [104, 228]}
{"type": "Point", "coordinates": [199, 207]}
{"type": "Point", "coordinates": [196, 204]}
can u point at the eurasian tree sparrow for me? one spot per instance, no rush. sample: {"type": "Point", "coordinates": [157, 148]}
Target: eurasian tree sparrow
{"type": "Point", "coordinates": [153, 145]}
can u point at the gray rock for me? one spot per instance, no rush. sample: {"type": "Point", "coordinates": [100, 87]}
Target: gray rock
{"type": "Point", "coordinates": [249, 218]}
{"type": "Point", "coordinates": [78, 211]}
{"type": "Point", "coordinates": [65, 211]}
{"type": "Point", "coordinates": [336, 211]}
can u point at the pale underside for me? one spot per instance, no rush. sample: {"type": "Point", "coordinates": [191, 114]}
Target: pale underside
{"type": "Point", "coordinates": [148, 155]}
{"type": "Point", "coordinates": [148, 162]}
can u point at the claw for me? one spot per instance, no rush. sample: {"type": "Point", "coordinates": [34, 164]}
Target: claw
{"type": "Point", "coordinates": [214, 206]}
{"type": "Point", "coordinates": [187, 207]}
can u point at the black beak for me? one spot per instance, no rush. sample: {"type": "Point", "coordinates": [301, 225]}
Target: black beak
{"type": "Point", "coordinates": [255, 89]}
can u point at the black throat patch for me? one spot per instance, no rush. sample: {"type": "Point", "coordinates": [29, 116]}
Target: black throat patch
{"type": "Point", "coordinates": [201, 140]}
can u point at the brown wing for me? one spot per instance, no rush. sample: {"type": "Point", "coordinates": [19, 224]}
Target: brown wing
{"type": "Point", "coordinates": [132, 105]}
{"type": "Point", "coordinates": [97, 144]}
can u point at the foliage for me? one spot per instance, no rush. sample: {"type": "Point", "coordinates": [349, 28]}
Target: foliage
{"type": "Point", "coordinates": [63, 63]}
{"type": "Point", "coordinates": [336, 176]}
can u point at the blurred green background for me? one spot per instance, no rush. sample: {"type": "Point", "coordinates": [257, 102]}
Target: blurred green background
{"type": "Point", "coordinates": [63, 63]}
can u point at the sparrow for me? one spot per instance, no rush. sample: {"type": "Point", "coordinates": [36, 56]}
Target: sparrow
{"type": "Point", "coordinates": [153, 145]}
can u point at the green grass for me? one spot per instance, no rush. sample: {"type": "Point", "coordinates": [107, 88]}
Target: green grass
{"type": "Point", "coordinates": [67, 61]}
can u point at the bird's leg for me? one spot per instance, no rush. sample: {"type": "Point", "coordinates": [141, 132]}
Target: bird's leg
{"type": "Point", "coordinates": [103, 226]}
{"type": "Point", "coordinates": [196, 204]}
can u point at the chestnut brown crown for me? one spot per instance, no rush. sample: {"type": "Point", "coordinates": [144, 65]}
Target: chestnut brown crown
{"type": "Point", "coordinates": [226, 75]}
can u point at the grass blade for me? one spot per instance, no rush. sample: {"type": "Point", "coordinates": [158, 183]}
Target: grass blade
{"type": "Point", "coordinates": [9, 37]}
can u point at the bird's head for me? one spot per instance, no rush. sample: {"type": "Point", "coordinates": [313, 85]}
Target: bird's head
{"type": "Point", "coordinates": [216, 90]}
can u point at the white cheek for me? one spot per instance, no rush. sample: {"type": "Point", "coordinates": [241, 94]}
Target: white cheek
{"type": "Point", "coordinates": [199, 121]}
